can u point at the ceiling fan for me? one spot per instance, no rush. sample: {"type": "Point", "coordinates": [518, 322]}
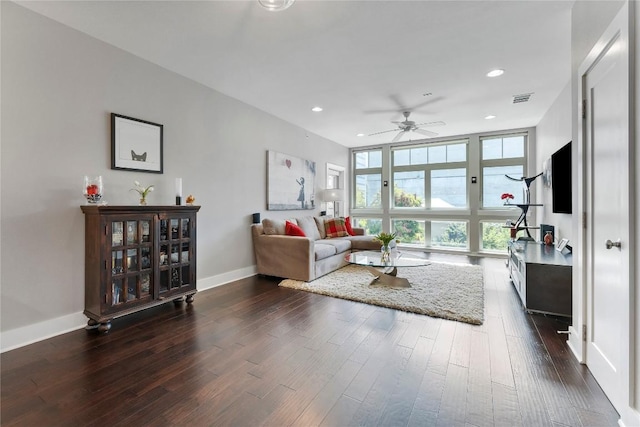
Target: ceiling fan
{"type": "Point", "coordinates": [410, 126]}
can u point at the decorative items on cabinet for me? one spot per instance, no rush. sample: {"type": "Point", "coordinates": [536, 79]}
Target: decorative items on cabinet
{"type": "Point", "coordinates": [521, 223]}
{"type": "Point", "coordinates": [137, 257]}
{"type": "Point", "coordinates": [178, 191]}
{"type": "Point", "coordinates": [142, 191]}
{"type": "Point", "coordinates": [93, 189]}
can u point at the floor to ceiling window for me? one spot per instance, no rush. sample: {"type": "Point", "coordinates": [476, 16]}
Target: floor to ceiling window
{"type": "Point", "coordinates": [443, 195]}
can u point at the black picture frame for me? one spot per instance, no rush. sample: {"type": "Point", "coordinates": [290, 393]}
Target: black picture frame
{"type": "Point", "coordinates": [136, 145]}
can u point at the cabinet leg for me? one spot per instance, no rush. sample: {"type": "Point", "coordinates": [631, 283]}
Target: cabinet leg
{"type": "Point", "coordinates": [189, 299]}
{"type": "Point", "coordinates": [104, 327]}
{"type": "Point", "coordinates": [91, 324]}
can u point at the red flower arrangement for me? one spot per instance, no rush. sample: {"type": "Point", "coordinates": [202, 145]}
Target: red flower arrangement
{"type": "Point", "coordinates": [506, 197]}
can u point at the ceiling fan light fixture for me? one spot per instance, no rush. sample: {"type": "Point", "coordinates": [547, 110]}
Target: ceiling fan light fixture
{"type": "Point", "coordinates": [495, 73]}
{"type": "Point", "coordinates": [316, 109]}
{"type": "Point", "coordinates": [275, 5]}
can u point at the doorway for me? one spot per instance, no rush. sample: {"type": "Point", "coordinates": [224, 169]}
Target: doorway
{"type": "Point", "coordinates": [608, 207]}
{"type": "Point", "coordinates": [335, 199]}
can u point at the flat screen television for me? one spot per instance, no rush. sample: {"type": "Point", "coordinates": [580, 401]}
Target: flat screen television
{"type": "Point", "coordinates": [561, 179]}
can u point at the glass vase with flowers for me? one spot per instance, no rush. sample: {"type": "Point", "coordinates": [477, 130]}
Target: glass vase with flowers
{"type": "Point", "coordinates": [142, 191]}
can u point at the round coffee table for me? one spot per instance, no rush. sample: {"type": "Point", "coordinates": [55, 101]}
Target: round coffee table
{"type": "Point", "coordinates": [372, 261]}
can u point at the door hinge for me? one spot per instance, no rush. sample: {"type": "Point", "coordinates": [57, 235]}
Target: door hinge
{"type": "Point", "coordinates": [584, 108]}
{"type": "Point", "coordinates": [584, 332]}
{"type": "Point", "coordinates": [106, 231]}
{"type": "Point", "coordinates": [584, 220]}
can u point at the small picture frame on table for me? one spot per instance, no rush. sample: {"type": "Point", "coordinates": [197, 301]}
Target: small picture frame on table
{"type": "Point", "coordinates": [562, 244]}
{"type": "Point", "coordinates": [136, 145]}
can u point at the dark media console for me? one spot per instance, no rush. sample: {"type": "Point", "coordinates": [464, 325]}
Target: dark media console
{"type": "Point", "coordinates": [542, 277]}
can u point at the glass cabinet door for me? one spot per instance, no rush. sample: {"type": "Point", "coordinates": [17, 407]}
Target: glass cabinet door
{"type": "Point", "coordinates": [130, 266]}
{"type": "Point", "coordinates": [175, 255]}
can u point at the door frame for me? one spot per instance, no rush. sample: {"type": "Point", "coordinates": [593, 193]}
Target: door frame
{"type": "Point", "coordinates": [622, 27]}
{"type": "Point", "coordinates": [342, 184]}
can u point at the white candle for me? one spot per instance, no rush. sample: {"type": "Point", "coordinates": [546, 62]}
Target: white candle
{"type": "Point", "coordinates": [178, 187]}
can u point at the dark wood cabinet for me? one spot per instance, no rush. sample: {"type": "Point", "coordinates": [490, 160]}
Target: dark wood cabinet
{"type": "Point", "coordinates": [542, 277]}
{"type": "Point", "coordinates": [137, 257]}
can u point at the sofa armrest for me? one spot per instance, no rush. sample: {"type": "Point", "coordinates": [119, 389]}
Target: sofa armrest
{"type": "Point", "coordinates": [284, 256]}
{"type": "Point", "coordinates": [358, 231]}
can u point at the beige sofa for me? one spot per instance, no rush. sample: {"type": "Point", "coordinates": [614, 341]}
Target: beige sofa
{"type": "Point", "coordinates": [304, 258]}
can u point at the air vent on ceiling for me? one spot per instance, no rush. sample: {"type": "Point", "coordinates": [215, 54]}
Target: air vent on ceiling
{"type": "Point", "coordinates": [523, 97]}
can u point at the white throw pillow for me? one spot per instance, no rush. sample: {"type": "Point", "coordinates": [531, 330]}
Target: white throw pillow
{"type": "Point", "coordinates": [309, 226]}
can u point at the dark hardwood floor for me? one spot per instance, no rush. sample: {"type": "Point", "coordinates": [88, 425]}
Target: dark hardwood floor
{"type": "Point", "coordinates": [250, 353]}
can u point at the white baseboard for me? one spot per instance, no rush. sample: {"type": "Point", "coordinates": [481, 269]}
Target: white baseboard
{"type": "Point", "coordinates": [30, 334]}
{"type": "Point", "coordinates": [224, 278]}
{"type": "Point", "coordinates": [575, 343]}
{"type": "Point", "coordinates": [632, 417]}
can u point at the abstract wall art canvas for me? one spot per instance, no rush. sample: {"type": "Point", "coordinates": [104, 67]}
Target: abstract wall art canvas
{"type": "Point", "coordinates": [290, 182]}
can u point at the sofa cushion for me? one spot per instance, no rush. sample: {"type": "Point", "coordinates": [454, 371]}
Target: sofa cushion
{"type": "Point", "coordinates": [320, 224]}
{"type": "Point", "coordinates": [274, 226]}
{"type": "Point", "coordinates": [323, 251]}
{"type": "Point", "coordinates": [365, 243]}
{"type": "Point", "coordinates": [293, 230]}
{"type": "Point", "coordinates": [335, 227]}
{"type": "Point", "coordinates": [309, 226]}
{"type": "Point", "coordinates": [341, 245]}
{"type": "Point", "coordinates": [347, 223]}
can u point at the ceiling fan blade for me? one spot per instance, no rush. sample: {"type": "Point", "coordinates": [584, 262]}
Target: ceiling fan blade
{"type": "Point", "coordinates": [398, 136]}
{"type": "Point", "coordinates": [425, 132]}
{"type": "Point", "coordinates": [431, 124]}
{"type": "Point", "coordinates": [427, 102]}
{"type": "Point", "coordinates": [384, 131]}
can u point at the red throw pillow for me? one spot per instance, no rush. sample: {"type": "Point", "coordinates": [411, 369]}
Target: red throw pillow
{"type": "Point", "coordinates": [347, 223]}
{"type": "Point", "coordinates": [291, 229]}
{"type": "Point", "coordinates": [335, 227]}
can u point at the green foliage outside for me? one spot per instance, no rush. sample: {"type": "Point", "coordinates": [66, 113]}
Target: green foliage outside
{"type": "Point", "coordinates": [361, 201]}
{"type": "Point", "coordinates": [402, 199]}
{"type": "Point", "coordinates": [495, 237]}
{"type": "Point", "coordinates": [372, 227]}
{"type": "Point", "coordinates": [409, 231]}
{"type": "Point", "coordinates": [453, 236]}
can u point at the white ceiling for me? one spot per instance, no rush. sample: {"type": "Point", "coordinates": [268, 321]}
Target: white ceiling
{"type": "Point", "coordinates": [364, 62]}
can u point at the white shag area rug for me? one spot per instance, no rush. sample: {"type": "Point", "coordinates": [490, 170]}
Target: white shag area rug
{"type": "Point", "coordinates": [449, 291]}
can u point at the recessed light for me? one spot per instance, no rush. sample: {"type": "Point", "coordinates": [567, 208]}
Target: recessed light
{"type": "Point", "coordinates": [360, 134]}
{"type": "Point", "coordinates": [495, 73]}
{"type": "Point", "coordinates": [316, 109]}
{"type": "Point", "coordinates": [489, 117]}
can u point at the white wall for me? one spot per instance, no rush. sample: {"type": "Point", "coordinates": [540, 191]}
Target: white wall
{"type": "Point", "coordinates": [553, 132]}
{"type": "Point", "coordinates": [58, 88]}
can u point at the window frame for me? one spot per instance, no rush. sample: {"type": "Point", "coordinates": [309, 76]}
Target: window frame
{"type": "Point", "coordinates": [509, 161]}
{"type": "Point", "coordinates": [427, 168]}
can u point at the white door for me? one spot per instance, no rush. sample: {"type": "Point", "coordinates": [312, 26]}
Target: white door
{"type": "Point", "coordinates": [605, 88]}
